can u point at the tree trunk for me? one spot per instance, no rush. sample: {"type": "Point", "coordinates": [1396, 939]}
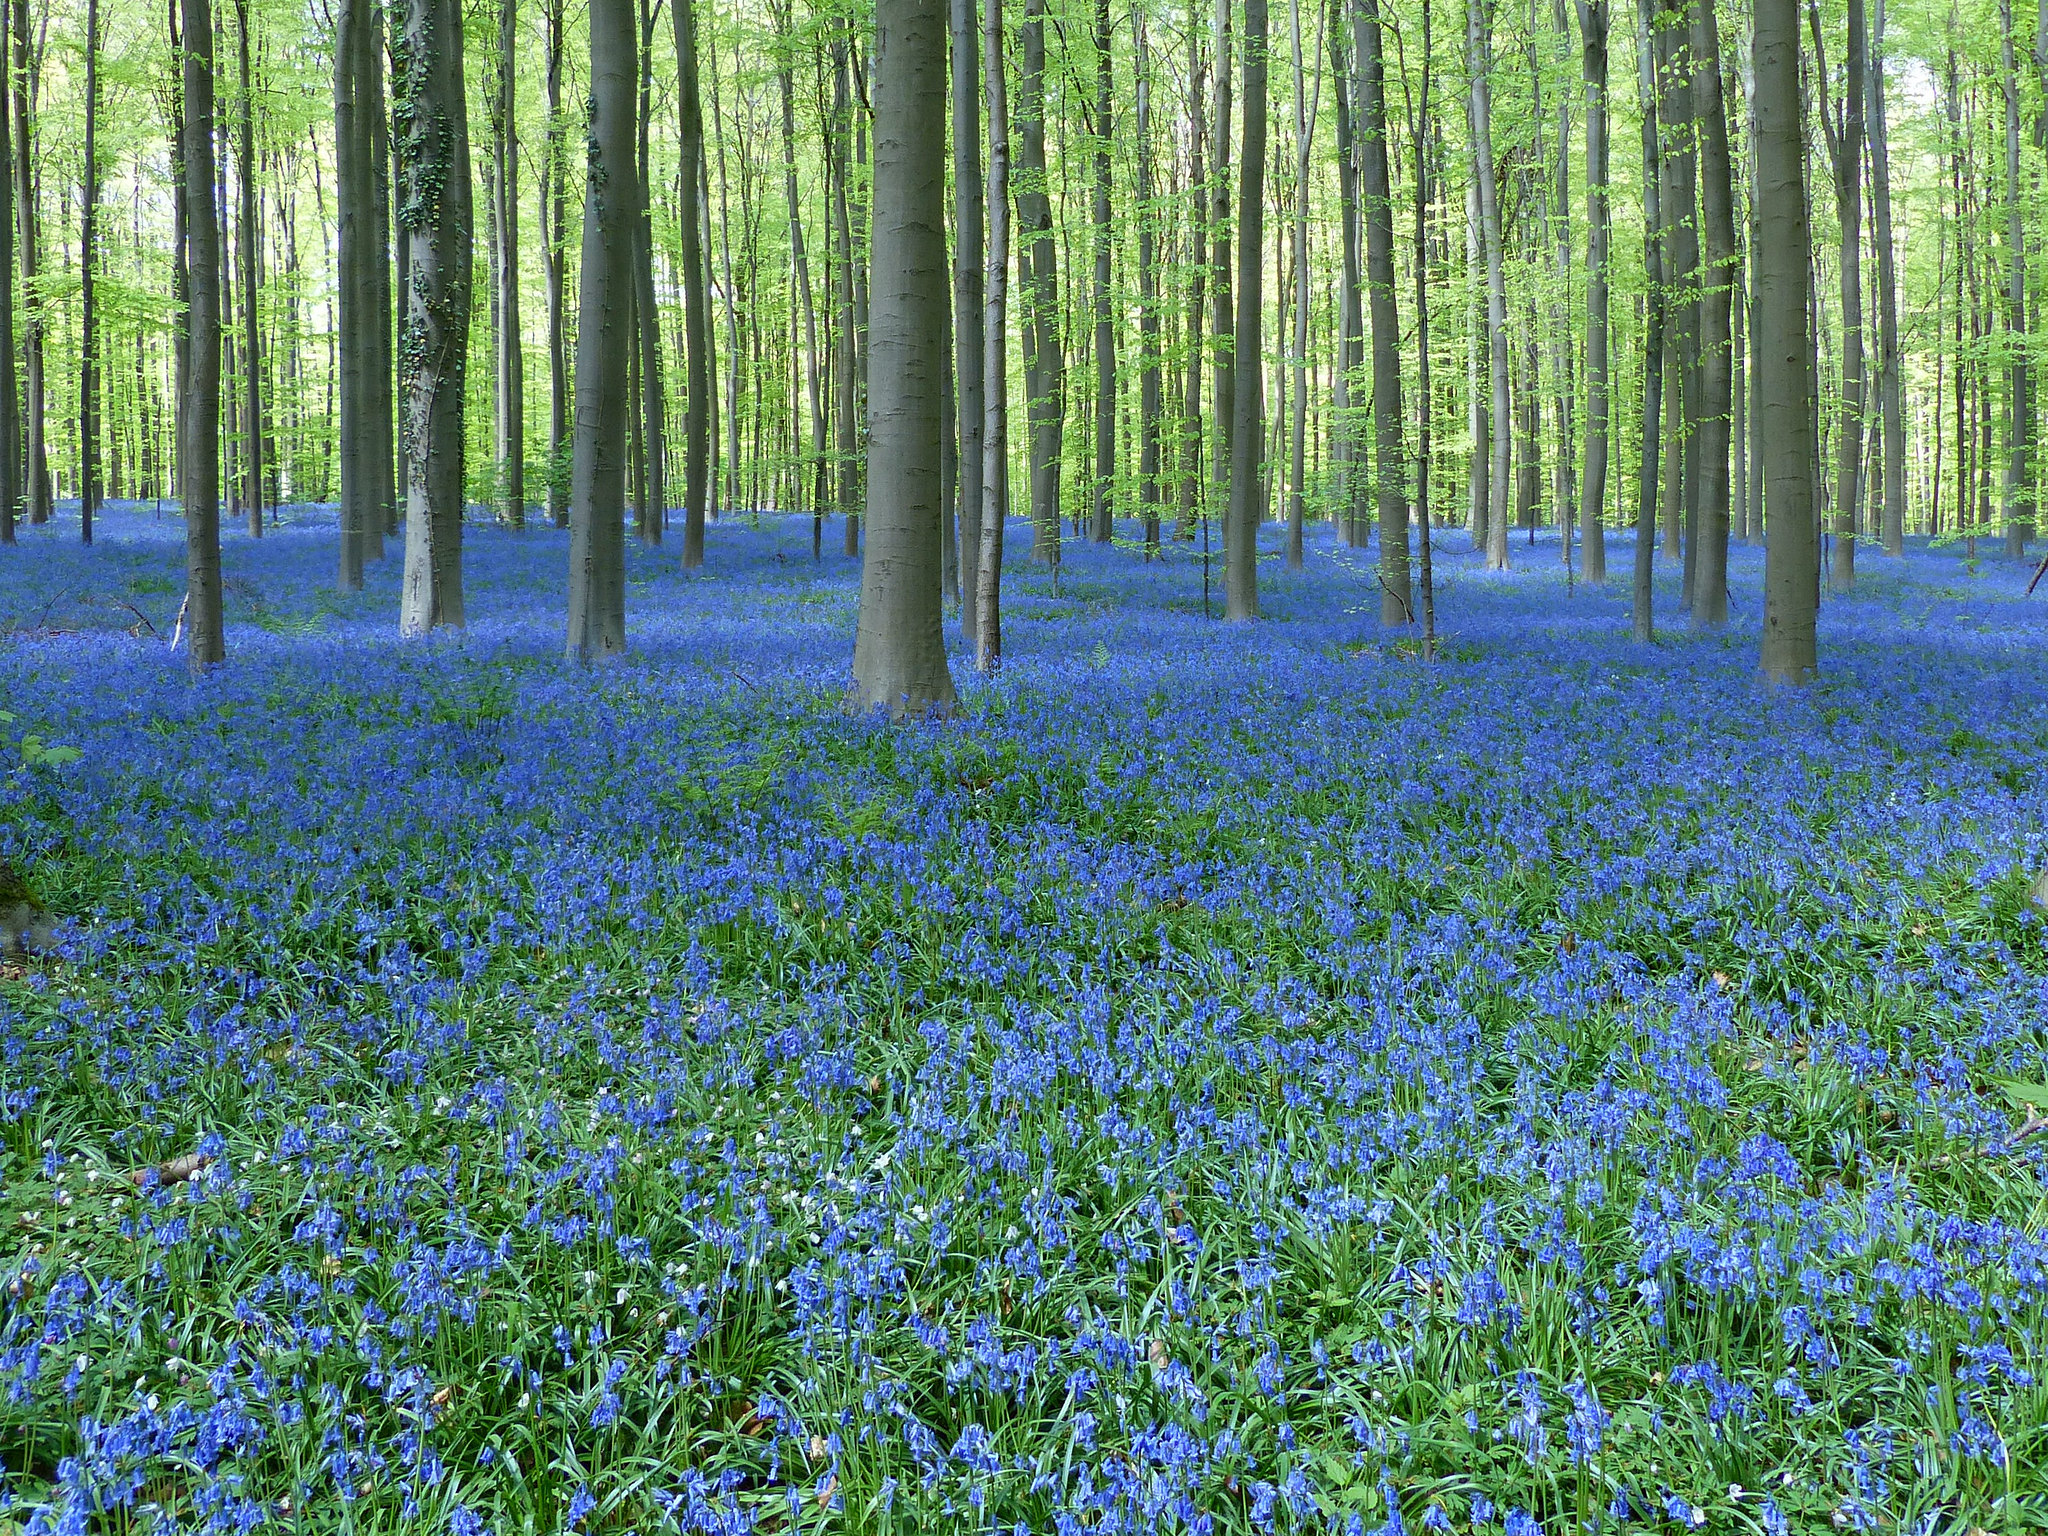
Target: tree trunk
{"type": "Point", "coordinates": [10, 399]}
{"type": "Point", "coordinates": [847, 392]}
{"type": "Point", "coordinates": [611, 202]}
{"type": "Point", "coordinates": [971, 408]}
{"type": "Point", "coordinates": [1222, 322]}
{"type": "Point", "coordinates": [1479, 60]}
{"type": "Point", "coordinates": [380, 386]}
{"type": "Point", "coordinates": [652, 502]}
{"type": "Point", "coordinates": [1676, 114]}
{"type": "Point", "coordinates": [1389, 472]}
{"type": "Point", "coordinates": [814, 480]}
{"type": "Point", "coordinates": [511, 369]}
{"type": "Point", "coordinates": [995, 445]}
{"type": "Point", "coordinates": [1593, 467]}
{"type": "Point", "coordinates": [199, 452]}
{"type": "Point", "coordinates": [248, 247]}
{"type": "Point", "coordinates": [1889, 383]}
{"type": "Point", "coordinates": [359, 312]}
{"type": "Point", "coordinates": [27, 71]}
{"type": "Point", "coordinates": [1349, 484]}
{"type": "Point", "coordinates": [88, 345]}
{"type": "Point", "coordinates": [1784, 427]}
{"type": "Point", "coordinates": [555, 203]}
{"type": "Point", "coordinates": [1038, 271]}
{"type": "Point", "coordinates": [1297, 489]}
{"type": "Point", "coordinates": [2019, 476]}
{"type": "Point", "coordinates": [1717, 206]}
{"type": "Point", "coordinates": [1642, 618]}
{"type": "Point", "coordinates": [1191, 399]}
{"type": "Point", "coordinates": [1102, 527]}
{"type": "Point", "coordinates": [696, 300]}
{"type": "Point", "coordinates": [899, 653]}
{"type": "Point", "coordinates": [1149, 387]}
{"type": "Point", "coordinates": [1247, 428]}
{"type": "Point", "coordinates": [434, 214]}
{"type": "Point", "coordinates": [1845, 147]}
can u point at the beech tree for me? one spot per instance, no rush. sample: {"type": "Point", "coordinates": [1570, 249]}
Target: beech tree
{"type": "Point", "coordinates": [200, 440]}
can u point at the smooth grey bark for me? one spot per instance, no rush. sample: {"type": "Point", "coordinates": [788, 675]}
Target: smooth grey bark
{"type": "Point", "coordinates": [1247, 429]}
{"type": "Point", "coordinates": [814, 479]}
{"type": "Point", "coordinates": [249, 253]}
{"type": "Point", "coordinates": [1784, 425]}
{"type": "Point", "coordinates": [1719, 270]}
{"type": "Point", "coordinates": [1420, 127]}
{"type": "Point", "coordinates": [1677, 117]}
{"type": "Point", "coordinates": [1889, 384]}
{"type": "Point", "coordinates": [1593, 24]}
{"type": "Point", "coordinates": [555, 203]}
{"type": "Point", "coordinates": [510, 378]}
{"type": "Point", "coordinates": [1479, 67]}
{"type": "Point", "coordinates": [2019, 420]}
{"type": "Point", "coordinates": [1390, 478]}
{"type": "Point", "coordinates": [1478, 399]}
{"type": "Point", "coordinates": [1347, 486]}
{"type": "Point", "coordinates": [1102, 525]}
{"type": "Point", "coordinates": [1641, 616]}
{"type": "Point", "coordinates": [199, 452]}
{"type": "Point", "coordinates": [651, 467]}
{"type": "Point", "coordinates": [1191, 434]}
{"type": "Point", "coordinates": [968, 240]}
{"type": "Point", "coordinates": [1217, 227]}
{"type": "Point", "coordinates": [846, 388]}
{"type": "Point", "coordinates": [995, 442]}
{"type": "Point", "coordinates": [597, 475]}
{"type": "Point", "coordinates": [360, 314]}
{"type": "Point", "coordinates": [899, 652]}
{"type": "Point", "coordinates": [1038, 274]}
{"type": "Point", "coordinates": [1297, 487]}
{"type": "Point", "coordinates": [1845, 149]}
{"type": "Point", "coordinates": [435, 219]}
{"type": "Point", "coordinates": [696, 297]}
{"type": "Point", "coordinates": [10, 398]}
{"type": "Point", "coordinates": [88, 247]}
{"type": "Point", "coordinates": [27, 71]}
{"type": "Point", "coordinates": [1150, 403]}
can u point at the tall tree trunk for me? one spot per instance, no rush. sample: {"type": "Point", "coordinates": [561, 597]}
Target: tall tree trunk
{"type": "Point", "coordinates": [847, 393]}
{"type": "Point", "coordinates": [199, 452]}
{"type": "Point", "coordinates": [360, 314]}
{"type": "Point", "coordinates": [995, 443]}
{"type": "Point", "coordinates": [26, 72]}
{"type": "Point", "coordinates": [968, 343]}
{"type": "Point", "coordinates": [1150, 405]}
{"type": "Point", "coordinates": [653, 419]}
{"type": "Point", "coordinates": [1478, 395]}
{"type": "Point", "coordinates": [381, 410]}
{"type": "Point", "coordinates": [899, 653]}
{"type": "Point", "coordinates": [1889, 383]}
{"type": "Point", "coordinates": [1784, 427]}
{"type": "Point", "coordinates": [1676, 113]}
{"type": "Point", "coordinates": [555, 205]}
{"type": "Point", "coordinates": [1191, 503]}
{"type": "Point", "coordinates": [1349, 484]}
{"type": "Point", "coordinates": [1642, 618]}
{"type": "Point", "coordinates": [2019, 474]}
{"type": "Point", "coordinates": [1222, 321]}
{"type": "Point", "coordinates": [10, 398]}
{"type": "Point", "coordinates": [248, 248]}
{"type": "Point", "coordinates": [1717, 206]}
{"type": "Point", "coordinates": [1389, 472]}
{"type": "Point", "coordinates": [696, 300]}
{"type": "Point", "coordinates": [434, 213]}
{"type": "Point", "coordinates": [1297, 488]}
{"type": "Point", "coordinates": [1247, 428]}
{"type": "Point", "coordinates": [1593, 16]}
{"type": "Point", "coordinates": [735, 357]}
{"type": "Point", "coordinates": [88, 260]}
{"type": "Point", "coordinates": [611, 203]}
{"type": "Point", "coordinates": [1038, 271]}
{"type": "Point", "coordinates": [511, 369]}
{"type": "Point", "coordinates": [1845, 148]}
{"type": "Point", "coordinates": [1479, 64]}
{"type": "Point", "coordinates": [814, 478]}
{"type": "Point", "coordinates": [1102, 527]}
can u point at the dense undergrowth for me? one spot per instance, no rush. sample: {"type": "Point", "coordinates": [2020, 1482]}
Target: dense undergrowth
{"type": "Point", "coordinates": [1228, 1080]}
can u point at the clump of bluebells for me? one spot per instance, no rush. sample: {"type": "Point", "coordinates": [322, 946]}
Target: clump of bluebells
{"type": "Point", "coordinates": [1230, 1080]}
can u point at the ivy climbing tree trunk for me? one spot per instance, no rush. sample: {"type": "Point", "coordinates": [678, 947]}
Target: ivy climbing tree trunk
{"type": "Point", "coordinates": [899, 652]}
{"type": "Point", "coordinates": [597, 477]}
{"type": "Point", "coordinates": [199, 452]}
{"type": "Point", "coordinates": [431, 114]}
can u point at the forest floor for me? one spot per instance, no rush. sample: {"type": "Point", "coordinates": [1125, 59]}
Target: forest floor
{"type": "Point", "coordinates": [1230, 1079]}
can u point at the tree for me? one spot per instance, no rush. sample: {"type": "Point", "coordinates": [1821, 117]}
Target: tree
{"type": "Point", "coordinates": [1045, 369]}
{"type": "Point", "coordinates": [1389, 473]}
{"type": "Point", "coordinates": [1247, 428]}
{"type": "Point", "coordinates": [360, 314]}
{"type": "Point", "coordinates": [1717, 205]}
{"type": "Point", "coordinates": [2019, 475]}
{"type": "Point", "coordinates": [1150, 404]}
{"type": "Point", "coordinates": [248, 249]}
{"type": "Point", "coordinates": [10, 399]}
{"type": "Point", "coordinates": [26, 71]}
{"type": "Point", "coordinates": [88, 244]}
{"type": "Point", "coordinates": [554, 202]}
{"type": "Point", "coordinates": [1593, 467]}
{"type": "Point", "coordinates": [431, 114]}
{"type": "Point", "coordinates": [995, 440]}
{"type": "Point", "coordinates": [696, 298]}
{"type": "Point", "coordinates": [1642, 620]}
{"type": "Point", "coordinates": [968, 343]}
{"type": "Point", "coordinates": [1889, 384]}
{"type": "Point", "coordinates": [510, 374]}
{"type": "Point", "coordinates": [1479, 66]}
{"type": "Point", "coordinates": [597, 477]}
{"type": "Point", "coordinates": [1844, 131]}
{"type": "Point", "coordinates": [1102, 525]}
{"type": "Point", "coordinates": [899, 653]}
{"type": "Point", "coordinates": [1784, 426]}
{"type": "Point", "coordinates": [199, 451]}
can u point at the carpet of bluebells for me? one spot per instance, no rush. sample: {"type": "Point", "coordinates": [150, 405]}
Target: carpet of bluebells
{"type": "Point", "coordinates": [1230, 1079]}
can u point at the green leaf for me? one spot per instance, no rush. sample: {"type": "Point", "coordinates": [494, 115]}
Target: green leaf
{"type": "Point", "coordinates": [2026, 1095]}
